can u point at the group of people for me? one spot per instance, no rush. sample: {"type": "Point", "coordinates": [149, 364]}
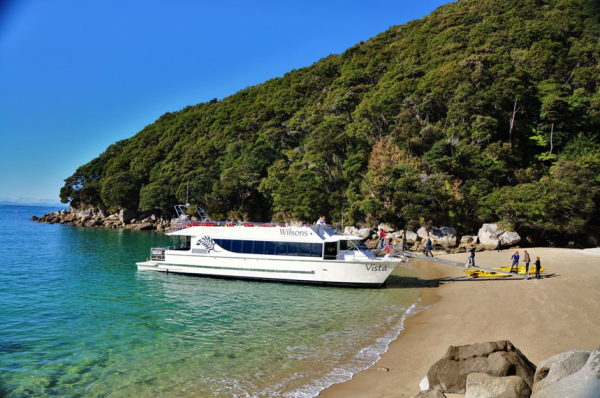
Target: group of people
{"type": "Point", "coordinates": [515, 262]}
{"type": "Point", "coordinates": [527, 260]}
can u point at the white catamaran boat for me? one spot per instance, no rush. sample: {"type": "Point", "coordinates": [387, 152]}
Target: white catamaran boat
{"type": "Point", "coordinates": [276, 252]}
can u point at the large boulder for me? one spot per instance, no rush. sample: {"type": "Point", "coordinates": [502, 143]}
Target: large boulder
{"type": "Point", "coordinates": [126, 215]}
{"type": "Point", "coordinates": [584, 383]}
{"type": "Point", "coordinates": [482, 385]}
{"type": "Point", "coordinates": [423, 233]}
{"type": "Point", "coordinates": [350, 231]}
{"type": "Point", "coordinates": [385, 227]}
{"type": "Point", "coordinates": [490, 233]}
{"type": "Point", "coordinates": [468, 240]}
{"type": "Point", "coordinates": [411, 237]}
{"type": "Point", "coordinates": [495, 358]}
{"type": "Point", "coordinates": [558, 367]}
{"type": "Point", "coordinates": [430, 394]}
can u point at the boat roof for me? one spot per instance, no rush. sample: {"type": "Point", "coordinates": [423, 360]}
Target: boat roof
{"type": "Point", "coordinates": [267, 232]}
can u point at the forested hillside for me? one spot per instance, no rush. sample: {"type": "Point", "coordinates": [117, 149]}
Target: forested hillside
{"type": "Point", "coordinates": [485, 110]}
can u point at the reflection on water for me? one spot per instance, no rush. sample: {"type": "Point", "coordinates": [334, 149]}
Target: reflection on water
{"type": "Point", "coordinates": [80, 320]}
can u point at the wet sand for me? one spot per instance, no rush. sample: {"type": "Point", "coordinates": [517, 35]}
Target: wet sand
{"type": "Point", "coordinates": [557, 313]}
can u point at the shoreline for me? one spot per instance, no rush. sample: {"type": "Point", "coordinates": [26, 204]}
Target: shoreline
{"type": "Point", "coordinates": [540, 317]}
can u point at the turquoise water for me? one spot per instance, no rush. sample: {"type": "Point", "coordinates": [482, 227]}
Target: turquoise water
{"type": "Point", "coordinates": [78, 320]}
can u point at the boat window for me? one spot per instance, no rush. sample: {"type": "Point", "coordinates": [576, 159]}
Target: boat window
{"type": "Point", "coordinates": [272, 248]}
{"type": "Point", "coordinates": [225, 244]}
{"type": "Point", "coordinates": [269, 247]}
{"type": "Point", "coordinates": [330, 250]}
{"type": "Point", "coordinates": [316, 250]}
{"type": "Point", "coordinates": [281, 248]}
{"type": "Point", "coordinates": [292, 249]}
{"type": "Point", "coordinates": [236, 246]}
{"type": "Point", "coordinates": [259, 247]}
{"type": "Point", "coordinates": [304, 249]}
{"type": "Point", "coordinates": [343, 245]}
{"type": "Point", "coordinates": [247, 246]}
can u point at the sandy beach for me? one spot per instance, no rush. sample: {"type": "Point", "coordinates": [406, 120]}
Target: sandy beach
{"type": "Point", "coordinates": [557, 313]}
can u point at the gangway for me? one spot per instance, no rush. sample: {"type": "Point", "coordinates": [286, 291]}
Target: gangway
{"type": "Point", "coordinates": [458, 264]}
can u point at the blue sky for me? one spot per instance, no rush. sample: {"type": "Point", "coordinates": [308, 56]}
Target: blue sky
{"type": "Point", "coordinates": [79, 75]}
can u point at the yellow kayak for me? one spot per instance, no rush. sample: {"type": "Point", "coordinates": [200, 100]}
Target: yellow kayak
{"type": "Point", "coordinates": [475, 273]}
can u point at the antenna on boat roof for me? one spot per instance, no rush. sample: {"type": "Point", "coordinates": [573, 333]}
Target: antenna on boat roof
{"type": "Point", "coordinates": [187, 194]}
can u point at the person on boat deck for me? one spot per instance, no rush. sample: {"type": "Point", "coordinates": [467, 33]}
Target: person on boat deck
{"type": "Point", "coordinates": [515, 262]}
{"type": "Point", "coordinates": [471, 262]}
{"type": "Point", "coordinates": [387, 246]}
{"type": "Point", "coordinates": [527, 260]}
{"type": "Point", "coordinates": [381, 239]}
{"type": "Point", "coordinates": [321, 221]}
{"type": "Point", "coordinates": [538, 266]}
{"type": "Point", "coordinates": [428, 248]}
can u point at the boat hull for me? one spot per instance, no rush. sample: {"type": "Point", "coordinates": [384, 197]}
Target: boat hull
{"type": "Point", "coordinates": [368, 273]}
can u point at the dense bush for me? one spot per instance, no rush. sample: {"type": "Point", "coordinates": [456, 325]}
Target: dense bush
{"type": "Point", "coordinates": [485, 110]}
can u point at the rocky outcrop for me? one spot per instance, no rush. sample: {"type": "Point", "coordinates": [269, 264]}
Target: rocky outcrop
{"type": "Point", "coordinates": [558, 367]}
{"type": "Point", "coordinates": [431, 393]}
{"type": "Point", "coordinates": [499, 359]}
{"type": "Point", "coordinates": [127, 219]}
{"type": "Point", "coordinates": [490, 233]}
{"type": "Point", "coordinates": [584, 383]}
{"type": "Point", "coordinates": [482, 385]}
{"type": "Point", "coordinates": [444, 236]}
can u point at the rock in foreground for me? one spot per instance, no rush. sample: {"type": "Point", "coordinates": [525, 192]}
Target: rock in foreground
{"type": "Point", "coordinates": [499, 359]}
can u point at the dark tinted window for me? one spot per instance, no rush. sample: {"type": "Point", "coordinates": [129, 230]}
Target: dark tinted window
{"type": "Point", "coordinates": [269, 247]}
{"type": "Point", "coordinates": [304, 249]}
{"type": "Point", "coordinates": [343, 245]}
{"type": "Point", "coordinates": [259, 247]}
{"type": "Point", "coordinates": [236, 246]}
{"type": "Point", "coordinates": [281, 248]}
{"type": "Point", "coordinates": [316, 249]}
{"type": "Point", "coordinates": [247, 246]}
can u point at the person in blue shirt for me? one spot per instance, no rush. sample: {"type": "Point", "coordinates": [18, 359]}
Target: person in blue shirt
{"type": "Point", "coordinates": [428, 248]}
{"type": "Point", "coordinates": [515, 262]}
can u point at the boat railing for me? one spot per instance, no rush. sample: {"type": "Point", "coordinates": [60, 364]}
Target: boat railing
{"type": "Point", "coordinates": [189, 223]}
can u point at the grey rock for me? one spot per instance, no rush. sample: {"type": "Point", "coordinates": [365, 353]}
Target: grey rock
{"type": "Point", "coordinates": [468, 240]}
{"type": "Point", "coordinates": [490, 233]}
{"type": "Point", "coordinates": [411, 237]}
{"type": "Point", "coordinates": [431, 393]}
{"type": "Point", "coordinates": [144, 226]}
{"type": "Point", "coordinates": [558, 367]}
{"type": "Point", "coordinates": [126, 215]}
{"type": "Point", "coordinates": [496, 358]}
{"type": "Point", "coordinates": [385, 227]}
{"type": "Point", "coordinates": [585, 383]}
{"type": "Point", "coordinates": [350, 231]}
{"type": "Point", "coordinates": [482, 385]}
{"type": "Point", "coordinates": [363, 233]}
{"type": "Point", "coordinates": [423, 233]}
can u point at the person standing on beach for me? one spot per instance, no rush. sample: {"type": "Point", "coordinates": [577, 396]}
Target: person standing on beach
{"type": "Point", "coordinates": [515, 262]}
{"type": "Point", "coordinates": [538, 266]}
{"type": "Point", "coordinates": [428, 248]}
{"type": "Point", "coordinates": [471, 260]}
{"type": "Point", "coordinates": [499, 245]}
{"type": "Point", "coordinates": [527, 260]}
{"type": "Point", "coordinates": [403, 240]}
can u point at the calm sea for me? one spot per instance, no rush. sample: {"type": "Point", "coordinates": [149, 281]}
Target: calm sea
{"type": "Point", "coordinates": [78, 320]}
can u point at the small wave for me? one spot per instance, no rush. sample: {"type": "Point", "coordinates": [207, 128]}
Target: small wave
{"type": "Point", "coordinates": [366, 358]}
